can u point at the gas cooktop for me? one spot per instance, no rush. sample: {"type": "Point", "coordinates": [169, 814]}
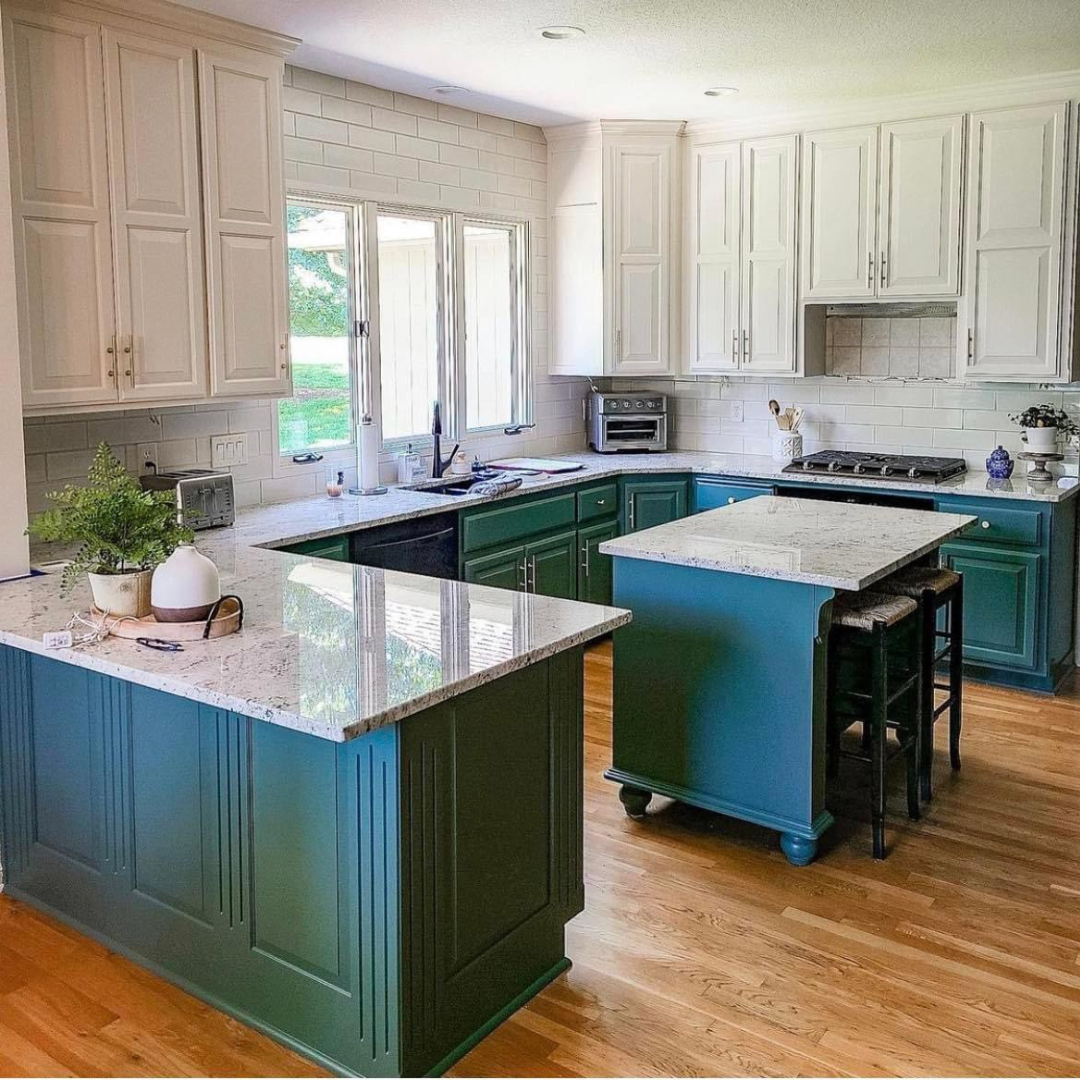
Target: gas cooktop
{"type": "Point", "coordinates": [919, 470]}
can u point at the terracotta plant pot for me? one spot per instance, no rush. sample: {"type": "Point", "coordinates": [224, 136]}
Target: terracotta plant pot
{"type": "Point", "coordinates": [122, 594]}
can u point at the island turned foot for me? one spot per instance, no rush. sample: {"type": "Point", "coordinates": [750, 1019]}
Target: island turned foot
{"type": "Point", "coordinates": [635, 800]}
{"type": "Point", "coordinates": [800, 850]}
{"type": "Point", "coordinates": [379, 905]}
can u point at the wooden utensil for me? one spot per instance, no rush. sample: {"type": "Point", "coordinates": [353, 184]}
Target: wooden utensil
{"type": "Point", "coordinates": [774, 408]}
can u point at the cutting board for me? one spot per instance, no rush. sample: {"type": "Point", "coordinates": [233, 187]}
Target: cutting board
{"type": "Point", "coordinates": [535, 464]}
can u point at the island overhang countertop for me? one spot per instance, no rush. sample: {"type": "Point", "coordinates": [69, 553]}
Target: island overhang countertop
{"type": "Point", "coordinates": [814, 541]}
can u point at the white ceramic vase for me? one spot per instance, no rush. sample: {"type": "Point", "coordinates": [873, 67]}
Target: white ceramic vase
{"type": "Point", "coordinates": [122, 595]}
{"type": "Point", "coordinates": [185, 587]}
{"type": "Point", "coordinates": [786, 445]}
{"type": "Point", "coordinates": [1041, 440]}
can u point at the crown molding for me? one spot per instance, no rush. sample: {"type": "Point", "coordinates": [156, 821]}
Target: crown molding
{"type": "Point", "coordinates": [176, 17]}
{"type": "Point", "coordinates": [591, 129]}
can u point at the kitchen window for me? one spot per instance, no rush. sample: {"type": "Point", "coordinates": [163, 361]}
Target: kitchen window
{"type": "Point", "coordinates": [393, 308]}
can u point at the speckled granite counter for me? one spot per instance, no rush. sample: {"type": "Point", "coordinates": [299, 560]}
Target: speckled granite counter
{"type": "Point", "coordinates": [327, 648]}
{"type": "Point", "coordinates": [805, 540]}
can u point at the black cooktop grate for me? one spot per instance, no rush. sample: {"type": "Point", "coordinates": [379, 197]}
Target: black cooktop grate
{"type": "Point", "coordinates": [893, 466]}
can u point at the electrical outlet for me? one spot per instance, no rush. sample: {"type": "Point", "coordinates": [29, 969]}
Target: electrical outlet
{"type": "Point", "coordinates": [148, 453]}
{"type": "Point", "coordinates": [737, 412]}
{"type": "Point", "coordinates": [228, 451]}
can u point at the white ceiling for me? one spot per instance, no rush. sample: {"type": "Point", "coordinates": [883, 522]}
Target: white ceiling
{"type": "Point", "coordinates": [651, 59]}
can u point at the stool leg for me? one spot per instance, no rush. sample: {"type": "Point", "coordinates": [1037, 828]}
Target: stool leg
{"type": "Point", "coordinates": [879, 734]}
{"type": "Point", "coordinates": [956, 673]}
{"type": "Point", "coordinates": [926, 719]}
{"type": "Point", "coordinates": [915, 734]}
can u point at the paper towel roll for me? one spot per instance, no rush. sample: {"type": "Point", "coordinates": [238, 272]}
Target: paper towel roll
{"type": "Point", "coordinates": [367, 448]}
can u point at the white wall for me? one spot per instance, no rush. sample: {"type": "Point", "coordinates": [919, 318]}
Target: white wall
{"type": "Point", "coordinates": [13, 544]}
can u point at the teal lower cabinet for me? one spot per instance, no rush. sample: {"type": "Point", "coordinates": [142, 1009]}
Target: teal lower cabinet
{"type": "Point", "coordinates": [552, 566]}
{"type": "Point", "coordinates": [500, 569]}
{"type": "Point", "coordinates": [594, 569]}
{"type": "Point", "coordinates": [378, 905]}
{"type": "Point", "coordinates": [328, 547]}
{"type": "Point", "coordinates": [710, 492]}
{"type": "Point", "coordinates": [648, 503]}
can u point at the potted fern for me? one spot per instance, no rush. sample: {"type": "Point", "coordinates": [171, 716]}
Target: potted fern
{"type": "Point", "coordinates": [122, 531]}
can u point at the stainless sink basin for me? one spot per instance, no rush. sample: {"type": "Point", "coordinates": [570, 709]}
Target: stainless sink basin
{"type": "Point", "coordinates": [457, 485]}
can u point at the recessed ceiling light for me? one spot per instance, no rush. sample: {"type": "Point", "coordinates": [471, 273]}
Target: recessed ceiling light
{"type": "Point", "coordinates": [561, 33]}
{"type": "Point", "coordinates": [721, 91]}
{"type": "Point", "coordinates": [447, 89]}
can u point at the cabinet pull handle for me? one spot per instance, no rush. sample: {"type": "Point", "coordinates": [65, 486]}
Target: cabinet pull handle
{"type": "Point", "coordinates": [745, 345]}
{"type": "Point", "coordinates": [869, 269]}
{"type": "Point", "coordinates": [631, 515]}
{"type": "Point", "coordinates": [110, 349]}
{"type": "Point", "coordinates": [585, 558]}
{"type": "Point", "coordinates": [618, 345]}
{"type": "Point", "coordinates": [524, 575]}
{"type": "Point", "coordinates": [734, 346]}
{"type": "Point", "coordinates": [883, 271]}
{"type": "Point", "coordinates": [532, 565]}
{"type": "Point", "coordinates": [600, 502]}
{"type": "Point", "coordinates": [971, 345]}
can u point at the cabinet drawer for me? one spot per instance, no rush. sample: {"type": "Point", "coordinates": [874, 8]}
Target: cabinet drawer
{"type": "Point", "coordinates": [597, 502]}
{"type": "Point", "coordinates": [998, 526]}
{"type": "Point", "coordinates": [515, 520]}
{"type": "Point", "coordinates": [329, 547]}
{"type": "Point", "coordinates": [712, 494]}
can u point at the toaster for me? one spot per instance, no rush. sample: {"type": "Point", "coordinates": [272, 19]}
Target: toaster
{"type": "Point", "coordinates": [204, 497]}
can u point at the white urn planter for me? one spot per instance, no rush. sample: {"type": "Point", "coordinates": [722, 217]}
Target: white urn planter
{"type": "Point", "coordinates": [1041, 440]}
{"type": "Point", "coordinates": [122, 595]}
{"type": "Point", "coordinates": [186, 586]}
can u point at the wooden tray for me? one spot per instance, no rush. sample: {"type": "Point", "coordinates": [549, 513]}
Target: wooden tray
{"type": "Point", "coordinates": [228, 620]}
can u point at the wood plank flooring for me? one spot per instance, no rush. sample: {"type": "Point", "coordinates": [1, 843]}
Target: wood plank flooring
{"type": "Point", "coordinates": [700, 950]}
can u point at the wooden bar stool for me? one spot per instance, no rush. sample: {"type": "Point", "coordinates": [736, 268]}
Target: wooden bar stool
{"type": "Point", "coordinates": [937, 590]}
{"type": "Point", "coordinates": [875, 676]}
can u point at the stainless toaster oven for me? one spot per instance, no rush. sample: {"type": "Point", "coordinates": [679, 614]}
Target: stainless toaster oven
{"type": "Point", "coordinates": [204, 497]}
{"type": "Point", "coordinates": [635, 421]}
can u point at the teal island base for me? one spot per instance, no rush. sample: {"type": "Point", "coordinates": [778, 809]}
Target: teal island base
{"type": "Point", "coordinates": [378, 905]}
{"type": "Point", "coordinates": [719, 697]}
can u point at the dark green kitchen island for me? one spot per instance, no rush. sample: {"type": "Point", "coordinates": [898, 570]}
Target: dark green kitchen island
{"type": "Point", "coordinates": [356, 825]}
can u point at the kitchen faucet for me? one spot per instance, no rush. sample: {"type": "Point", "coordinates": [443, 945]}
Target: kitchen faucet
{"type": "Point", "coordinates": [438, 465]}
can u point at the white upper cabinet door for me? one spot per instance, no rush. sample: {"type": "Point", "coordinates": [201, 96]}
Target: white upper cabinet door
{"type": "Point", "coordinates": [1011, 314]}
{"type": "Point", "coordinates": [769, 176]}
{"type": "Point", "coordinates": [244, 189]}
{"type": "Point", "coordinates": [157, 223]}
{"type": "Point", "coordinates": [577, 290]}
{"type": "Point", "coordinates": [839, 212]}
{"type": "Point", "coordinates": [712, 265]}
{"type": "Point", "coordinates": [641, 257]}
{"type": "Point", "coordinates": [919, 213]}
{"type": "Point", "coordinates": [60, 205]}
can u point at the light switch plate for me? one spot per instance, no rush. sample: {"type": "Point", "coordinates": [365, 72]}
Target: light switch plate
{"type": "Point", "coordinates": [228, 451]}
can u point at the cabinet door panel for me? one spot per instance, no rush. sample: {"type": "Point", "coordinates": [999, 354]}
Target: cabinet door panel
{"type": "Point", "coordinates": [577, 286]}
{"type": "Point", "coordinates": [594, 569]}
{"type": "Point", "coordinates": [839, 212]}
{"type": "Point", "coordinates": [639, 235]}
{"type": "Point", "coordinates": [1001, 593]}
{"type": "Point", "coordinates": [1011, 318]}
{"type": "Point", "coordinates": [553, 566]}
{"type": "Point", "coordinates": [156, 217]}
{"type": "Point", "coordinates": [768, 259]}
{"type": "Point", "coordinates": [713, 214]}
{"type": "Point", "coordinates": [919, 226]}
{"type": "Point", "coordinates": [60, 206]}
{"type": "Point", "coordinates": [244, 189]}
{"type": "Point", "coordinates": [500, 570]}
{"type": "Point", "coordinates": [648, 503]}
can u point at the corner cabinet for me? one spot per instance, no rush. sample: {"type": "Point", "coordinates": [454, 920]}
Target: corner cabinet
{"type": "Point", "coordinates": [614, 225]}
{"type": "Point", "coordinates": [1012, 324]}
{"type": "Point", "coordinates": [145, 273]}
{"type": "Point", "coordinates": [740, 267]}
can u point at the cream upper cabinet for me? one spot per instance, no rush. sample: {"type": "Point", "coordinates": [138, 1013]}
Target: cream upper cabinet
{"type": "Point", "coordinates": [740, 257]}
{"type": "Point", "coordinates": [1011, 315]}
{"type": "Point", "coordinates": [839, 213]}
{"type": "Point", "coordinates": [157, 221]}
{"type": "Point", "coordinates": [245, 208]}
{"type": "Point", "coordinates": [919, 208]}
{"type": "Point", "coordinates": [713, 257]}
{"type": "Point", "coordinates": [769, 177]}
{"type": "Point", "coordinates": [639, 237]}
{"type": "Point", "coordinates": [60, 204]}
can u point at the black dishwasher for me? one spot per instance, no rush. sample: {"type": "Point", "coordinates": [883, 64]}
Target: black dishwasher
{"type": "Point", "coordinates": [421, 545]}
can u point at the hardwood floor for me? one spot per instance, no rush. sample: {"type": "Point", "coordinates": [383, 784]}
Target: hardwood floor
{"type": "Point", "coordinates": [701, 951]}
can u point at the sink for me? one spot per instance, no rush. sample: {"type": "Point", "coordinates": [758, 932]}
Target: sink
{"type": "Point", "coordinates": [455, 485]}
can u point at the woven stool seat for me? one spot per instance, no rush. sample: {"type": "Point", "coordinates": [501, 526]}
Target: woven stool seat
{"type": "Point", "coordinates": [913, 581]}
{"type": "Point", "coordinates": [861, 610]}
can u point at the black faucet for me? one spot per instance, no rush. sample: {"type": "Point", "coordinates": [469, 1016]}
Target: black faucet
{"type": "Point", "coordinates": [438, 465]}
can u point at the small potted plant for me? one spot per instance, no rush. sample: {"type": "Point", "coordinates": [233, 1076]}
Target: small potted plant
{"type": "Point", "coordinates": [1042, 425]}
{"type": "Point", "coordinates": [123, 533]}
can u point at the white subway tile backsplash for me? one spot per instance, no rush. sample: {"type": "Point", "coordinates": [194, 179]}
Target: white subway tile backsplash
{"type": "Point", "coordinates": [459, 155]}
{"type": "Point", "coordinates": [317, 127]}
{"type": "Point", "coordinates": [316, 81]}
{"type": "Point", "coordinates": [302, 101]}
{"type": "Point", "coordinates": [388, 120]}
{"type": "Point", "coordinates": [495, 124]}
{"type": "Point", "coordinates": [417, 106]}
{"type": "Point", "coordinates": [372, 95]}
{"type": "Point", "coordinates": [424, 149]}
{"type": "Point", "coordinates": [437, 130]}
{"type": "Point", "coordinates": [349, 157]}
{"type": "Point", "coordinates": [371, 139]}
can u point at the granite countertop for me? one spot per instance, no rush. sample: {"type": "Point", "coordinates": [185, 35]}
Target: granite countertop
{"type": "Point", "coordinates": [327, 648]}
{"type": "Point", "coordinates": [806, 540]}
{"type": "Point", "coordinates": [316, 517]}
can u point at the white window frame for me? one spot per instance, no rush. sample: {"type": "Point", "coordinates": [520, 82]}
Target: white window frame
{"type": "Point", "coordinates": [364, 309]}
